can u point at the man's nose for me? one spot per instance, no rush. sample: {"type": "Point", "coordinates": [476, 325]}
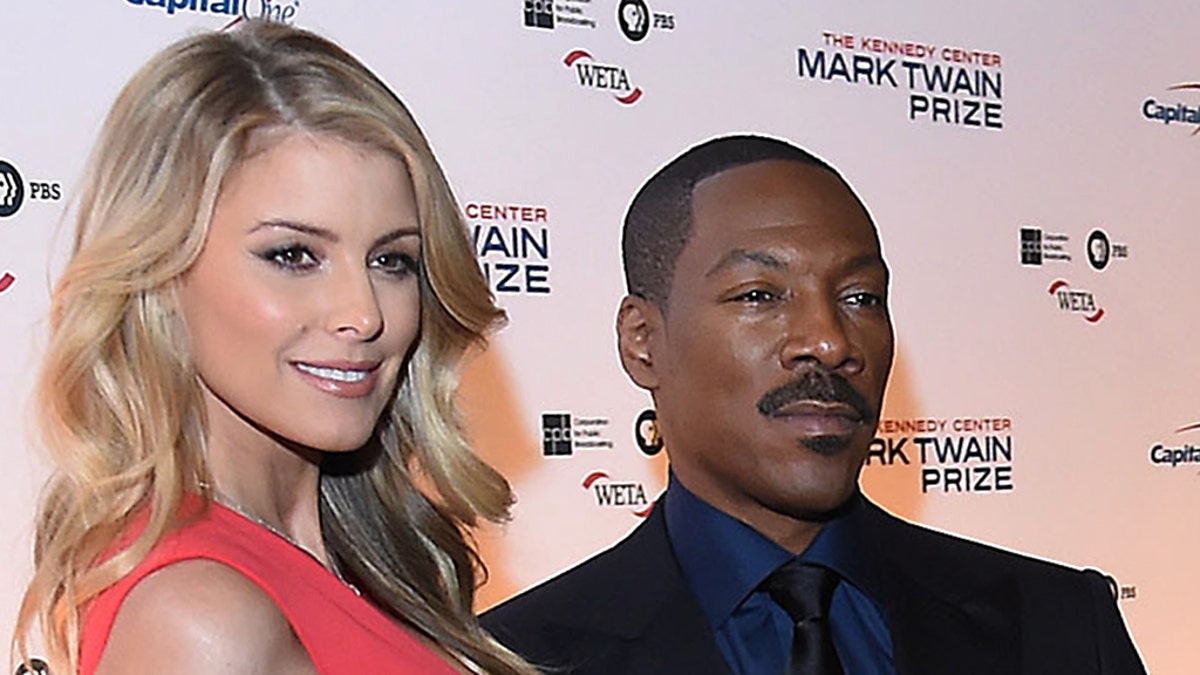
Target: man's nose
{"type": "Point", "coordinates": [816, 331]}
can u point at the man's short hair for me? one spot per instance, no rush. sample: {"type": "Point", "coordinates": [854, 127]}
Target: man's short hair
{"type": "Point", "coordinates": [658, 223]}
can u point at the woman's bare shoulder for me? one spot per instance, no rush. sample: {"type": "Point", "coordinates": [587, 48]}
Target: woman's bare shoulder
{"type": "Point", "coordinates": [201, 616]}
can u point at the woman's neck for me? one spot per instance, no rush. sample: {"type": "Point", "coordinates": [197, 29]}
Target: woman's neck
{"type": "Point", "coordinates": [268, 480]}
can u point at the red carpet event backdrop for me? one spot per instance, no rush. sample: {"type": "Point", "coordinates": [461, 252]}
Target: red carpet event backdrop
{"type": "Point", "coordinates": [1031, 167]}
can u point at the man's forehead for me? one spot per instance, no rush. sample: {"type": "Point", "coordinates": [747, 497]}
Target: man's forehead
{"type": "Point", "coordinates": [749, 201]}
{"type": "Point", "coordinates": [755, 175]}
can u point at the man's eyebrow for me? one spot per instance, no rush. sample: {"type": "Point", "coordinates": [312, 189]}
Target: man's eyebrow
{"type": "Point", "coordinates": [867, 260]}
{"type": "Point", "coordinates": [740, 256]}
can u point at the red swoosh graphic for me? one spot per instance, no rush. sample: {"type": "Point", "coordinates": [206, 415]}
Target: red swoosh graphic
{"type": "Point", "coordinates": [1187, 85]}
{"type": "Point", "coordinates": [644, 512]}
{"type": "Point", "coordinates": [1058, 283]}
{"type": "Point", "coordinates": [575, 56]}
{"type": "Point", "coordinates": [1095, 317]}
{"type": "Point", "coordinates": [592, 478]}
{"type": "Point", "coordinates": [632, 97]}
{"type": "Point", "coordinates": [1188, 427]}
{"type": "Point", "coordinates": [233, 23]}
{"type": "Point", "coordinates": [6, 281]}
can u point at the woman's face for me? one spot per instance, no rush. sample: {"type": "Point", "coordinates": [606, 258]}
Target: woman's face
{"type": "Point", "coordinates": [304, 302]}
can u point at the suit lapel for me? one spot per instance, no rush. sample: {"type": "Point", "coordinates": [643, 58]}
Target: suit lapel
{"type": "Point", "coordinates": [933, 635]}
{"type": "Point", "coordinates": [649, 622]}
{"type": "Point", "coordinates": [943, 620]}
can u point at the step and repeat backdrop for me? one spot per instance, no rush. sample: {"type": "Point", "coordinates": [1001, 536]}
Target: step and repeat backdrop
{"type": "Point", "coordinates": [1032, 168]}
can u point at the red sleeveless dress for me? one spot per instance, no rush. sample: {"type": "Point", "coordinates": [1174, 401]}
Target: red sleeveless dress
{"type": "Point", "coordinates": [342, 632]}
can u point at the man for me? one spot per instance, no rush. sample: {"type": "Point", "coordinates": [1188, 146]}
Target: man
{"type": "Point", "coordinates": [757, 319]}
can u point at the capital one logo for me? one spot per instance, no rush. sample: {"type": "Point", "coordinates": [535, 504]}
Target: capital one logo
{"type": "Point", "coordinates": [1154, 110]}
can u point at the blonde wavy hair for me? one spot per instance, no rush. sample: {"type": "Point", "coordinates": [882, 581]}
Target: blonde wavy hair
{"type": "Point", "coordinates": [118, 396]}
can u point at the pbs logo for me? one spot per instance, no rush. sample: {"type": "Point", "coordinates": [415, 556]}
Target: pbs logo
{"type": "Point", "coordinates": [33, 667]}
{"type": "Point", "coordinates": [14, 190]}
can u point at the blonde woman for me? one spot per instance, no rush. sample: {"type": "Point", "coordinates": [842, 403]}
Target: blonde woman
{"type": "Point", "coordinates": [249, 382]}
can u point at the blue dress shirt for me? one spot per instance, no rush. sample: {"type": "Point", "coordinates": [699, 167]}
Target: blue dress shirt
{"type": "Point", "coordinates": [724, 561]}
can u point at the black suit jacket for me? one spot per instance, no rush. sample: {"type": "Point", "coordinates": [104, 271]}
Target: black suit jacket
{"type": "Point", "coordinates": [952, 606]}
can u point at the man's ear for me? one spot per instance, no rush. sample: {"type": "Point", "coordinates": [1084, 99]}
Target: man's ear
{"type": "Point", "coordinates": [639, 325]}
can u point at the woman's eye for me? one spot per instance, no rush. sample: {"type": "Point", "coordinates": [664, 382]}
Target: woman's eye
{"type": "Point", "coordinates": [290, 257]}
{"type": "Point", "coordinates": [395, 262]}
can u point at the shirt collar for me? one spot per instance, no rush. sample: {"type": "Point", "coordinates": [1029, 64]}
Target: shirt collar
{"type": "Point", "coordinates": [724, 560]}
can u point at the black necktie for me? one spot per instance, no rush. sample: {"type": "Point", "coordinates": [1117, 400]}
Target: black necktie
{"type": "Point", "coordinates": [804, 591]}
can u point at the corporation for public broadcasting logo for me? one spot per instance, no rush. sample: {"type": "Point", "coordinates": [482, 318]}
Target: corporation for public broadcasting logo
{"type": "Point", "coordinates": [1038, 247]}
{"type": "Point", "coordinates": [546, 14]}
{"type": "Point", "coordinates": [563, 433]}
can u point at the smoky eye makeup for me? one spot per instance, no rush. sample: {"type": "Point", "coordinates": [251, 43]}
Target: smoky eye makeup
{"type": "Point", "coordinates": [291, 256]}
{"type": "Point", "coordinates": [398, 263]}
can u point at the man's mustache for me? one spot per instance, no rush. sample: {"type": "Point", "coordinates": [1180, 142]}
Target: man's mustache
{"type": "Point", "coordinates": [820, 385]}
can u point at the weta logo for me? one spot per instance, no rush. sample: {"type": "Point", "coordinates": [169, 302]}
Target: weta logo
{"type": "Point", "coordinates": [1076, 301]}
{"type": "Point", "coordinates": [618, 494]}
{"type": "Point", "coordinates": [592, 75]}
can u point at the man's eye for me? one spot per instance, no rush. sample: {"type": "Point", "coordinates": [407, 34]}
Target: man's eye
{"type": "Point", "coordinates": [864, 299]}
{"type": "Point", "coordinates": [756, 296]}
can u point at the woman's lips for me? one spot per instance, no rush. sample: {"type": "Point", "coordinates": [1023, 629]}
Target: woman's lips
{"type": "Point", "coordinates": [344, 379]}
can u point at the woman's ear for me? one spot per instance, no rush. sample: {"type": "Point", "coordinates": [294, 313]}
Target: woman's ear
{"type": "Point", "coordinates": [639, 323]}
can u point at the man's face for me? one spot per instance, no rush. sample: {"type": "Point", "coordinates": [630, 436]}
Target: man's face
{"type": "Point", "coordinates": [769, 363]}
